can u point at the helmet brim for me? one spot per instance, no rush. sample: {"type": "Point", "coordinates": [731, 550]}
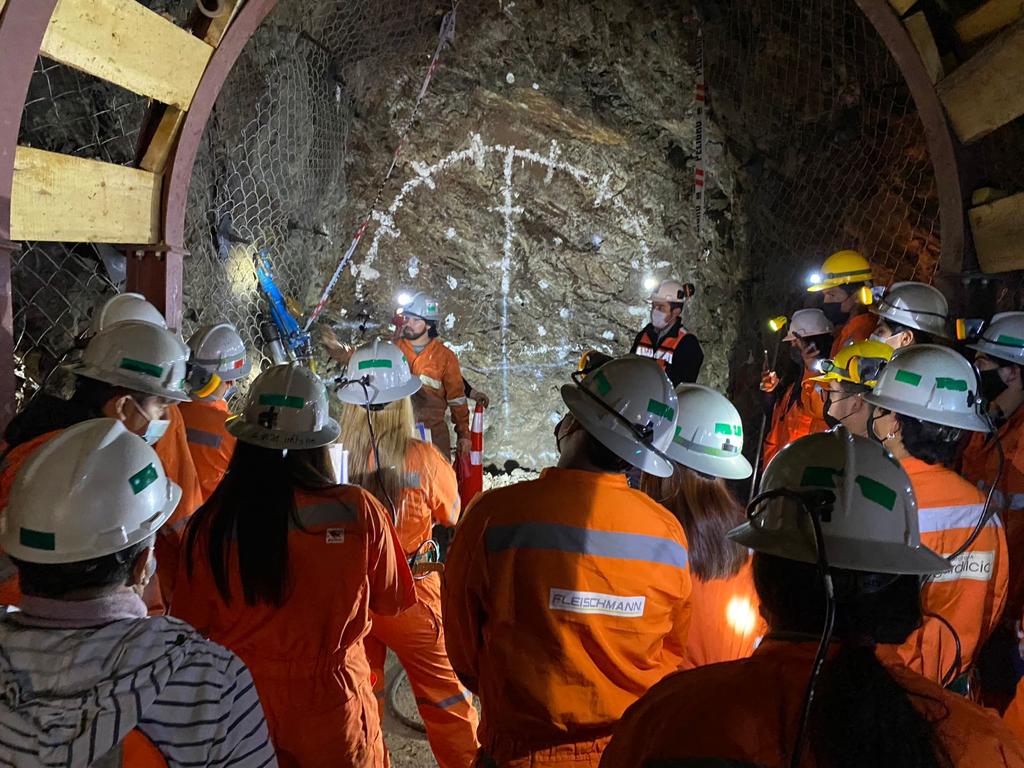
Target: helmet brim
{"type": "Point", "coordinates": [237, 373]}
{"type": "Point", "coordinates": [128, 381]}
{"type": "Point", "coordinates": [895, 316]}
{"type": "Point", "coordinates": [353, 393]}
{"type": "Point", "coordinates": [993, 350]}
{"type": "Point", "coordinates": [972, 422]}
{"type": "Point", "coordinates": [871, 557]}
{"type": "Point", "coordinates": [727, 467]}
{"type": "Point", "coordinates": [254, 434]}
{"type": "Point", "coordinates": [629, 449]}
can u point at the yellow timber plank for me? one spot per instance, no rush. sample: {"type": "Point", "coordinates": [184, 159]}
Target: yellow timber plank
{"type": "Point", "coordinates": [125, 43]}
{"type": "Point", "coordinates": [988, 19]}
{"type": "Point", "coordinates": [61, 198]}
{"type": "Point", "coordinates": [998, 229]}
{"type": "Point", "coordinates": [924, 41]}
{"type": "Point", "coordinates": [987, 91]}
{"type": "Point", "coordinates": [901, 6]}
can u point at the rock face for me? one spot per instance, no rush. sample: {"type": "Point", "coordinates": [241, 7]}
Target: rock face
{"type": "Point", "coordinates": [549, 174]}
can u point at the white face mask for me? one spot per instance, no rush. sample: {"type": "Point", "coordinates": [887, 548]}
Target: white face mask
{"type": "Point", "coordinates": [155, 428]}
{"type": "Point", "coordinates": [659, 319]}
{"type": "Point", "coordinates": [885, 339]}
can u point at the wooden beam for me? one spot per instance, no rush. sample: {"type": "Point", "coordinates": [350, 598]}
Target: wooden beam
{"type": "Point", "coordinates": [921, 34]}
{"type": "Point", "coordinates": [988, 19]}
{"type": "Point", "coordinates": [998, 229]}
{"type": "Point", "coordinates": [61, 198]}
{"type": "Point", "coordinates": [123, 42]}
{"type": "Point", "coordinates": [987, 91]}
{"type": "Point", "coordinates": [902, 6]}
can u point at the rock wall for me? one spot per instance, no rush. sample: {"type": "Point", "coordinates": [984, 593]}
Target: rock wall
{"type": "Point", "coordinates": [549, 174]}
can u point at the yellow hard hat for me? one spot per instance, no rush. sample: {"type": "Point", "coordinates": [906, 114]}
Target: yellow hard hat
{"type": "Point", "coordinates": [857, 363]}
{"type": "Point", "coordinates": [841, 268]}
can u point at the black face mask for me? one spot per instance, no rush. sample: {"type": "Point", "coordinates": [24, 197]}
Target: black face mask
{"type": "Point", "coordinates": [831, 420]}
{"type": "Point", "coordinates": [992, 385]}
{"type": "Point", "coordinates": [833, 310]}
{"type": "Point", "coordinates": [795, 354]}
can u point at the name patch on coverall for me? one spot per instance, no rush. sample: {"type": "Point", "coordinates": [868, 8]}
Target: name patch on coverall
{"type": "Point", "coordinates": [976, 566]}
{"type": "Point", "coordinates": [595, 602]}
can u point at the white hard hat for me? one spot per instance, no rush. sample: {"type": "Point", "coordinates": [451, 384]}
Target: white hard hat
{"type": "Point", "coordinates": [873, 523]}
{"type": "Point", "coordinates": [671, 291]}
{"type": "Point", "coordinates": [93, 490]}
{"type": "Point", "coordinates": [709, 434]}
{"type": "Point", "coordinates": [286, 408]}
{"type": "Point", "coordinates": [383, 369]}
{"type": "Point", "coordinates": [139, 356]}
{"type": "Point", "coordinates": [125, 307]}
{"type": "Point", "coordinates": [218, 349]}
{"type": "Point", "coordinates": [1003, 338]}
{"type": "Point", "coordinates": [915, 305]}
{"type": "Point", "coordinates": [808, 322]}
{"type": "Point", "coordinates": [629, 407]}
{"type": "Point", "coordinates": [930, 383]}
{"type": "Point", "coordinates": [423, 306]}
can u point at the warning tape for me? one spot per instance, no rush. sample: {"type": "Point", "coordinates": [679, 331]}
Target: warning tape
{"type": "Point", "coordinates": [444, 39]}
{"type": "Point", "coordinates": [700, 104]}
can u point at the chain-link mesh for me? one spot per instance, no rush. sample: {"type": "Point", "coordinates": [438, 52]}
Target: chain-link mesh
{"type": "Point", "coordinates": [833, 144]}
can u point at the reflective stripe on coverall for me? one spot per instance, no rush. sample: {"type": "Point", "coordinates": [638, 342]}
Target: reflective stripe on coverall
{"type": "Point", "coordinates": [443, 390]}
{"type": "Point", "coordinates": [416, 636]}
{"type": "Point", "coordinates": [751, 710]}
{"type": "Point", "coordinates": [565, 598]}
{"type": "Point", "coordinates": [209, 442]}
{"type": "Point", "coordinates": [793, 420]}
{"type": "Point", "coordinates": [307, 655]}
{"type": "Point", "coordinates": [857, 328]}
{"type": "Point", "coordinates": [979, 464]}
{"type": "Point", "coordinates": [972, 595]}
{"type": "Point", "coordinates": [726, 623]}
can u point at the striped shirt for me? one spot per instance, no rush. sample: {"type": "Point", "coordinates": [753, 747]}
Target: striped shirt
{"type": "Point", "coordinates": [70, 694]}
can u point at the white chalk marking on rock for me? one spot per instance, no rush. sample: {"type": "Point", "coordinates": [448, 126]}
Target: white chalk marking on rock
{"type": "Point", "coordinates": [564, 313]}
{"type": "Point", "coordinates": [414, 267]}
{"type": "Point", "coordinates": [542, 331]}
{"type": "Point", "coordinates": [450, 233]}
{"type": "Point", "coordinates": [543, 284]}
{"type": "Point", "coordinates": [510, 78]}
{"type": "Point", "coordinates": [608, 335]}
{"type": "Point", "coordinates": [452, 282]}
{"type": "Point", "coordinates": [449, 321]}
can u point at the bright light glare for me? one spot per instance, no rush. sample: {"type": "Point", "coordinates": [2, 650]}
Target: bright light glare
{"type": "Point", "coordinates": [741, 616]}
{"type": "Point", "coordinates": [650, 283]}
{"type": "Point", "coordinates": [776, 324]}
{"type": "Point", "coordinates": [814, 279]}
{"type": "Point", "coordinates": [403, 299]}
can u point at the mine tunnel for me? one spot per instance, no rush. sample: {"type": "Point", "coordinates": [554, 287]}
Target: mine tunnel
{"type": "Point", "coordinates": [536, 180]}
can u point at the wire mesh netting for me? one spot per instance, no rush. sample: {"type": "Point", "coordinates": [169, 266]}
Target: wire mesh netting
{"type": "Point", "coordinates": [836, 149]}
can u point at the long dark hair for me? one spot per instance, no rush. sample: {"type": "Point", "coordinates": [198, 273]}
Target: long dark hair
{"type": "Point", "coordinates": [253, 508]}
{"type": "Point", "coordinates": [861, 715]}
{"type": "Point", "coordinates": [707, 511]}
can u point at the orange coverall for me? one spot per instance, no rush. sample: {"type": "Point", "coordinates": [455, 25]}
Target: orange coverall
{"type": "Point", "coordinates": [565, 598]}
{"type": "Point", "coordinates": [443, 390]}
{"type": "Point", "coordinates": [1014, 715]}
{"type": "Point", "coordinates": [430, 494]}
{"type": "Point", "coordinates": [972, 595]}
{"type": "Point", "coordinates": [979, 464]}
{"type": "Point", "coordinates": [791, 421]}
{"type": "Point", "coordinates": [306, 656]}
{"type": "Point", "coordinates": [750, 710]}
{"type": "Point", "coordinates": [726, 623]}
{"type": "Point", "coordinates": [209, 441]}
{"type": "Point", "coordinates": [857, 328]}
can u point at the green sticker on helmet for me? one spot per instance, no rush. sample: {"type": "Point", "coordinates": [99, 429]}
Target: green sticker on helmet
{"type": "Point", "coordinates": [721, 428]}
{"type": "Point", "coordinates": [364, 364]}
{"type": "Point", "coordinates": [140, 366]}
{"type": "Point", "coordinates": [819, 477]}
{"type": "Point", "coordinates": [283, 401]}
{"type": "Point", "coordinates": [660, 409]}
{"type": "Point", "coordinates": [908, 377]}
{"type": "Point", "coordinates": [602, 384]}
{"type": "Point", "coordinates": [1010, 341]}
{"type": "Point", "coordinates": [142, 479]}
{"type": "Point", "coordinates": [953, 385]}
{"type": "Point", "coordinates": [877, 492]}
{"type": "Point", "coordinates": [37, 539]}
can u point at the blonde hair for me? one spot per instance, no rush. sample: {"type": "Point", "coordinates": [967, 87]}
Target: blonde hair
{"type": "Point", "coordinates": [392, 427]}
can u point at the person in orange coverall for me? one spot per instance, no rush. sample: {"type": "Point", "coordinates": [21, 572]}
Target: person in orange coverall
{"type": "Point", "coordinates": [800, 409]}
{"type": "Point", "coordinates": [925, 397]}
{"type": "Point", "coordinates": [438, 369]}
{"type": "Point", "coordinates": [865, 707]}
{"type": "Point", "coordinates": [565, 598]}
{"type": "Point", "coordinates": [708, 450]}
{"type": "Point", "coordinates": [131, 371]}
{"type": "Point", "coordinates": [421, 483]}
{"type": "Point", "coordinates": [283, 567]}
{"type": "Point", "coordinates": [839, 281]}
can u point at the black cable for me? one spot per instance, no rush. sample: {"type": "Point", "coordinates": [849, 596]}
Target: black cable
{"type": "Point", "coordinates": [989, 509]}
{"type": "Point", "coordinates": [364, 383]}
{"type": "Point", "coordinates": [954, 670]}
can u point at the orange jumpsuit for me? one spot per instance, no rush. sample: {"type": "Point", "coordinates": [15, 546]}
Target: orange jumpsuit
{"type": "Point", "coordinates": [972, 595]}
{"type": "Point", "coordinates": [857, 328]}
{"type": "Point", "coordinates": [306, 656]}
{"type": "Point", "coordinates": [209, 441]}
{"type": "Point", "coordinates": [443, 390]}
{"type": "Point", "coordinates": [1014, 715]}
{"type": "Point", "coordinates": [791, 421]}
{"type": "Point", "coordinates": [430, 494]}
{"type": "Point", "coordinates": [726, 623]}
{"type": "Point", "coordinates": [979, 464]}
{"type": "Point", "coordinates": [750, 710]}
{"type": "Point", "coordinates": [565, 598]}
